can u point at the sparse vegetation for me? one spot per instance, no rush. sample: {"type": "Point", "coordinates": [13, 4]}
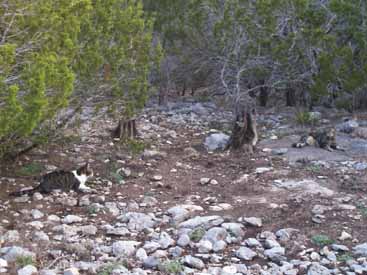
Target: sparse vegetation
{"type": "Point", "coordinates": [22, 261]}
{"type": "Point", "coordinates": [344, 257]}
{"type": "Point", "coordinates": [322, 240]}
{"type": "Point", "coordinates": [108, 268]}
{"type": "Point", "coordinates": [362, 209]}
{"type": "Point", "coordinates": [30, 169]}
{"type": "Point", "coordinates": [92, 209]}
{"type": "Point", "coordinates": [197, 234]}
{"type": "Point", "coordinates": [173, 267]}
{"type": "Point", "coordinates": [314, 168]}
{"type": "Point", "coordinates": [117, 177]}
{"type": "Point", "coordinates": [304, 118]}
{"type": "Point", "coordinates": [69, 139]}
{"type": "Point", "coordinates": [136, 147]}
{"type": "Point", "coordinates": [114, 174]}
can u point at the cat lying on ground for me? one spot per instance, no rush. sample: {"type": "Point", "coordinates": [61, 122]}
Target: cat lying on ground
{"type": "Point", "coordinates": [323, 138]}
{"type": "Point", "coordinates": [61, 180]}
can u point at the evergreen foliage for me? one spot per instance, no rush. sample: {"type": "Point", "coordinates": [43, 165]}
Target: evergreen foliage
{"type": "Point", "coordinates": [50, 47]}
{"type": "Point", "coordinates": [117, 54]}
{"type": "Point", "coordinates": [55, 50]}
{"type": "Point", "coordinates": [315, 47]}
{"type": "Point", "coordinates": [38, 45]}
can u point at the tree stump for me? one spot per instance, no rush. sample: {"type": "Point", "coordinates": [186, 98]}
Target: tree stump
{"type": "Point", "coordinates": [126, 129]}
{"type": "Point", "coordinates": [291, 99]}
{"type": "Point", "coordinates": [162, 96]}
{"type": "Point", "coordinates": [264, 96]}
{"type": "Point", "coordinates": [106, 72]}
{"type": "Point", "coordinates": [244, 134]}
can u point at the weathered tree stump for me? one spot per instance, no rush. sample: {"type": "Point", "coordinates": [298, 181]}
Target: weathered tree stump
{"type": "Point", "coordinates": [126, 129]}
{"type": "Point", "coordinates": [291, 99]}
{"type": "Point", "coordinates": [106, 72]}
{"type": "Point", "coordinates": [162, 96]}
{"type": "Point", "coordinates": [264, 96]}
{"type": "Point", "coordinates": [244, 134]}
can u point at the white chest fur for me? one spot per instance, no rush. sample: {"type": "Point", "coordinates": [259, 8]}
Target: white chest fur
{"type": "Point", "coordinates": [82, 179]}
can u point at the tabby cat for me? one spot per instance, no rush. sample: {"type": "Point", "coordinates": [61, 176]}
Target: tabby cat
{"type": "Point", "coordinates": [323, 138]}
{"type": "Point", "coordinates": [62, 180]}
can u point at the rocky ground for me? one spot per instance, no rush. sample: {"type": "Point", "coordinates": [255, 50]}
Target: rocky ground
{"type": "Point", "coordinates": [167, 205]}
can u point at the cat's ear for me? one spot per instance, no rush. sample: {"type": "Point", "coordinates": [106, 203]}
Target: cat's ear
{"type": "Point", "coordinates": [88, 169]}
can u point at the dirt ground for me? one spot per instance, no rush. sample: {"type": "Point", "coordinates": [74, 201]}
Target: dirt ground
{"type": "Point", "coordinates": [254, 195]}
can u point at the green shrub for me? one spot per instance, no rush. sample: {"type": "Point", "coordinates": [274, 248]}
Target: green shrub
{"type": "Point", "coordinates": [173, 267]}
{"type": "Point", "coordinates": [344, 257]}
{"type": "Point", "coordinates": [22, 261]}
{"type": "Point", "coordinates": [31, 169]}
{"type": "Point", "coordinates": [55, 47]}
{"type": "Point", "coordinates": [362, 209]}
{"type": "Point", "coordinates": [322, 240]}
{"type": "Point", "coordinates": [136, 147]}
{"type": "Point", "coordinates": [197, 234]}
{"type": "Point", "coordinates": [108, 268]}
{"type": "Point", "coordinates": [344, 104]}
{"type": "Point", "coordinates": [304, 118]}
{"type": "Point", "coordinates": [36, 56]}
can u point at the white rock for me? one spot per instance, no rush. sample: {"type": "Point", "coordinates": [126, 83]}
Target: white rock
{"type": "Point", "coordinates": [216, 141]}
{"type": "Point", "coordinates": [204, 181]}
{"type": "Point", "coordinates": [47, 272]}
{"type": "Point", "coordinates": [245, 253]}
{"type": "Point", "coordinates": [3, 263]}
{"type": "Point", "coordinates": [13, 252]}
{"type": "Point", "coordinates": [36, 214]}
{"type": "Point", "coordinates": [141, 254]}
{"type": "Point", "coordinates": [53, 218]}
{"type": "Point", "coordinates": [317, 269]}
{"type": "Point", "coordinates": [69, 219]}
{"type": "Point", "coordinates": [253, 221]}
{"type": "Point", "coordinates": [205, 221]}
{"type": "Point", "coordinates": [71, 271]}
{"type": "Point", "coordinates": [40, 236]}
{"type": "Point", "coordinates": [157, 177]}
{"type": "Point", "coordinates": [11, 236]}
{"type": "Point", "coordinates": [27, 270]}
{"type": "Point", "coordinates": [261, 170]}
{"type": "Point", "coordinates": [315, 257]}
{"type": "Point", "coordinates": [204, 246]}
{"type": "Point", "coordinates": [345, 236]}
{"type": "Point", "coordinates": [252, 242]}
{"type": "Point", "coordinates": [270, 243]}
{"type": "Point", "coordinates": [36, 224]}
{"type": "Point", "coordinates": [361, 249]}
{"type": "Point", "coordinates": [183, 240]}
{"type": "Point", "coordinates": [124, 248]}
{"type": "Point", "coordinates": [219, 246]}
{"type": "Point", "coordinates": [275, 254]}
{"type": "Point", "coordinates": [194, 262]}
{"type": "Point", "coordinates": [165, 240]}
{"type": "Point", "coordinates": [90, 230]}
{"type": "Point", "coordinates": [37, 196]}
{"type": "Point", "coordinates": [230, 269]}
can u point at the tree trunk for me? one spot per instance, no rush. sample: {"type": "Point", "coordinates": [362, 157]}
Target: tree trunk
{"type": "Point", "coordinates": [183, 89]}
{"type": "Point", "coordinates": [244, 134]}
{"type": "Point", "coordinates": [162, 96]}
{"type": "Point", "coordinates": [106, 72]}
{"type": "Point", "coordinates": [126, 129]}
{"type": "Point", "coordinates": [291, 97]}
{"type": "Point", "coordinates": [264, 96]}
{"type": "Point", "coordinates": [193, 91]}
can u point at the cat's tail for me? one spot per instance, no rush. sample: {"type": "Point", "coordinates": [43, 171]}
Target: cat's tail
{"type": "Point", "coordinates": [24, 192]}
